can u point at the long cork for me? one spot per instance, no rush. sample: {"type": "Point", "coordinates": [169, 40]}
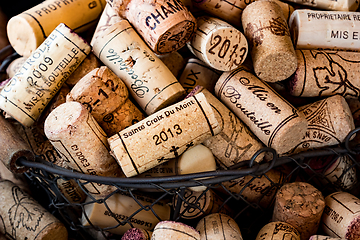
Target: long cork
{"type": "Point", "coordinates": [272, 50]}
{"type": "Point", "coordinates": [218, 44]}
{"type": "Point", "coordinates": [29, 29]}
{"type": "Point", "coordinates": [150, 82]}
{"type": "Point", "coordinates": [300, 205]}
{"type": "Point", "coordinates": [325, 29]}
{"type": "Point", "coordinates": [272, 119]}
{"type": "Point", "coordinates": [342, 5]}
{"type": "Point", "coordinates": [329, 122]}
{"type": "Point", "coordinates": [43, 74]}
{"type": "Point", "coordinates": [341, 216]}
{"type": "Point", "coordinates": [174, 230]}
{"type": "Point", "coordinates": [325, 73]}
{"type": "Point", "coordinates": [278, 231]}
{"type": "Point", "coordinates": [77, 137]}
{"type": "Point", "coordinates": [105, 96]}
{"type": "Point", "coordinates": [321, 237]}
{"type": "Point", "coordinates": [218, 226]}
{"type": "Point", "coordinates": [164, 135]}
{"type": "Point", "coordinates": [166, 26]}
{"type": "Point", "coordinates": [121, 207]}
{"type": "Point", "coordinates": [23, 218]}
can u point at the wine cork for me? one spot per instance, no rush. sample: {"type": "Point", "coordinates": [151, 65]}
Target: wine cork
{"type": "Point", "coordinates": [15, 66]}
{"type": "Point", "coordinates": [164, 135]}
{"type": "Point", "coordinates": [300, 205]}
{"type": "Point", "coordinates": [77, 137]}
{"type": "Point", "coordinates": [174, 61]}
{"type": "Point", "coordinates": [235, 142]}
{"type": "Point", "coordinates": [342, 5]}
{"type": "Point", "coordinates": [30, 28]}
{"type": "Point", "coordinates": [218, 44]}
{"type": "Point", "coordinates": [137, 234]}
{"type": "Point", "coordinates": [257, 190]}
{"type": "Point", "coordinates": [287, 9]}
{"type": "Point", "coordinates": [218, 226]}
{"type": "Point", "coordinates": [329, 122]}
{"type": "Point", "coordinates": [18, 179]}
{"type": "Point", "coordinates": [272, 50]}
{"type": "Point", "coordinates": [23, 218]}
{"type": "Point", "coordinates": [42, 75]}
{"type": "Point", "coordinates": [320, 237]}
{"type": "Point", "coordinates": [90, 62]}
{"type": "Point", "coordinates": [196, 73]}
{"type": "Point", "coordinates": [150, 82]}
{"type": "Point", "coordinates": [105, 96]}
{"type": "Point", "coordinates": [166, 26]}
{"type": "Point", "coordinates": [13, 147]}
{"type": "Point", "coordinates": [325, 29]}
{"type": "Point", "coordinates": [272, 119]}
{"type": "Point", "coordinates": [199, 204]}
{"type": "Point", "coordinates": [174, 230]}
{"type": "Point", "coordinates": [325, 73]}
{"type": "Point", "coordinates": [121, 208]}
{"type": "Point", "coordinates": [278, 231]}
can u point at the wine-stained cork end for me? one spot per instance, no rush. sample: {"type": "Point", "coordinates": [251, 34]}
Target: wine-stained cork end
{"type": "Point", "coordinates": [353, 230]}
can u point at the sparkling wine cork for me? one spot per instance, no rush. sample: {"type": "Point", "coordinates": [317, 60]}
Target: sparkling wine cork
{"type": "Point", "coordinates": [342, 5]}
{"type": "Point", "coordinates": [300, 205]}
{"type": "Point", "coordinates": [218, 226]}
{"type": "Point", "coordinates": [166, 26]}
{"type": "Point", "coordinates": [235, 142]}
{"type": "Point", "coordinates": [13, 147]}
{"type": "Point", "coordinates": [29, 29]}
{"type": "Point", "coordinates": [150, 82]}
{"type": "Point", "coordinates": [120, 207]}
{"type": "Point", "coordinates": [199, 204]}
{"type": "Point", "coordinates": [325, 29]}
{"type": "Point", "coordinates": [106, 97]}
{"type": "Point", "coordinates": [325, 73]}
{"type": "Point", "coordinates": [196, 73]}
{"type": "Point", "coordinates": [218, 44]}
{"type": "Point", "coordinates": [42, 75]}
{"type": "Point", "coordinates": [137, 234]}
{"type": "Point", "coordinates": [329, 122]}
{"type": "Point", "coordinates": [77, 137]}
{"type": "Point", "coordinates": [174, 230]}
{"type": "Point", "coordinates": [23, 218]}
{"type": "Point", "coordinates": [15, 66]}
{"type": "Point", "coordinates": [278, 231]}
{"type": "Point", "coordinates": [260, 190]}
{"type": "Point", "coordinates": [320, 237]}
{"type": "Point", "coordinates": [272, 50]}
{"type": "Point", "coordinates": [90, 62]}
{"type": "Point", "coordinates": [272, 119]}
{"type": "Point", "coordinates": [164, 135]}
{"type": "Point", "coordinates": [174, 61]}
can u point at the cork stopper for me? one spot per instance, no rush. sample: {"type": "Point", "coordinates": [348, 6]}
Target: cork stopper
{"type": "Point", "coordinates": [272, 50]}
{"type": "Point", "coordinates": [174, 230]}
{"type": "Point", "coordinates": [137, 234]}
{"type": "Point", "coordinates": [15, 66]}
{"type": "Point", "coordinates": [321, 237]}
{"type": "Point", "coordinates": [300, 205]}
{"type": "Point", "coordinates": [278, 231]}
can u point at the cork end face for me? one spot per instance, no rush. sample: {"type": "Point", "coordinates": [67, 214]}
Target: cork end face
{"type": "Point", "coordinates": [14, 167]}
{"type": "Point", "coordinates": [134, 234]}
{"type": "Point", "coordinates": [353, 231]}
{"type": "Point", "coordinates": [22, 36]}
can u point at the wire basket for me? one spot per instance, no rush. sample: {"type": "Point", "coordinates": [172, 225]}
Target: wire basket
{"type": "Point", "coordinates": [250, 214]}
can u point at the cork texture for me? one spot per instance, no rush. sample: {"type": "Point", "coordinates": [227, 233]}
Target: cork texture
{"type": "Point", "coordinates": [271, 47]}
{"type": "Point", "coordinates": [272, 119]}
{"type": "Point", "coordinates": [278, 231]}
{"type": "Point", "coordinates": [174, 230]}
{"type": "Point", "coordinates": [90, 62]}
{"type": "Point", "coordinates": [300, 205]}
{"type": "Point", "coordinates": [137, 234]}
{"type": "Point", "coordinates": [321, 237]}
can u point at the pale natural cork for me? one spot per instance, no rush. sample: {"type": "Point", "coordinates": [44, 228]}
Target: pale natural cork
{"type": "Point", "coordinates": [164, 135]}
{"type": "Point", "coordinates": [320, 237]}
{"type": "Point", "coordinates": [218, 44]}
{"type": "Point", "coordinates": [77, 137]}
{"type": "Point", "coordinates": [174, 61]}
{"type": "Point", "coordinates": [24, 218]}
{"type": "Point", "coordinates": [119, 207]}
{"type": "Point", "coordinates": [341, 216]}
{"type": "Point", "coordinates": [27, 30]}
{"type": "Point", "coordinates": [218, 226]}
{"type": "Point", "coordinates": [341, 5]}
{"type": "Point", "coordinates": [300, 205]}
{"type": "Point", "coordinates": [323, 73]}
{"type": "Point", "coordinates": [106, 97]}
{"type": "Point", "coordinates": [43, 74]}
{"type": "Point", "coordinates": [166, 26]}
{"type": "Point", "coordinates": [15, 66]}
{"type": "Point", "coordinates": [278, 231]}
{"type": "Point", "coordinates": [268, 34]}
{"type": "Point", "coordinates": [166, 230]}
{"type": "Point", "coordinates": [318, 29]}
{"type": "Point", "coordinates": [149, 81]}
{"type": "Point", "coordinates": [272, 119]}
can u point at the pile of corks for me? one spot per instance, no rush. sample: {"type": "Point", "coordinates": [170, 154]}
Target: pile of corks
{"type": "Point", "coordinates": [148, 89]}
